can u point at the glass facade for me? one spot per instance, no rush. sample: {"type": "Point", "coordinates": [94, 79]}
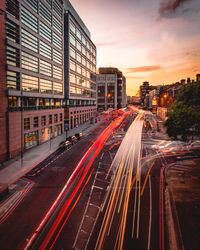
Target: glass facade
{"type": "Point", "coordinates": [29, 41]}
{"type": "Point", "coordinates": [13, 80]}
{"type": "Point", "coordinates": [45, 50]}
{"type": "Point", "coordinates": [82, 64]}
{"type": "Point", "coordinates": [12, 56]}
{"type": "Point", "coordinates": [29, 62]}
{"type": "Point", "coordinates": [45, 86]}
{"type": "Point", "coordinates": [29, 19]}
{"type": "Point", "coordinates": [45, 68]}
{"type": "Point", "coordinates": [12, 31]}
{"type": "Point", "coordinates": [29, 83]}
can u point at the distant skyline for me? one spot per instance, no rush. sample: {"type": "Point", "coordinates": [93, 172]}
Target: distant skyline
{"type": "Point", "coordinates": [148, 40]}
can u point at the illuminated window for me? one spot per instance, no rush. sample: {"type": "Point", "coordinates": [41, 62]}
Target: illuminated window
{"type": "Point", "coordinates": [26, 123]}
{"type": "Point", "coordinates": [43, 120]}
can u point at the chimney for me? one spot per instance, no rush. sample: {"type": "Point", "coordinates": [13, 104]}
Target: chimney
{"type": "Point", "coordinates": [188, 80]}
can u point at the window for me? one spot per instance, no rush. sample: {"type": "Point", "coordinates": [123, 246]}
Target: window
{"type": "Point", "coordinates": [29, 20]}
{"type": "Point", "coordinates": [72, 91]}
{"type": "Point", "coordinates": [57, 88]}
{"type": "Point", "coordinates": [57, 41]}
{"type": "Point", "coordinates": [12, 102]}
{"type": "Point", "coordinates": [29, 83]}
{"type": "Point", "coordinates": [50, 119]}
{"type": "Point", "coordinates": [45, 13]}
{"type": "Point", "coordinates": [45, 68]}
{"type": "Point", "coordinates": [55, 118]}
{"type": "Point", "coordinates": [72, 78]}
{"type": "Point", "coordinates": [61, 117]}
{"type": "Point", "coordinates": [72, 53]}
{"type": "Point", "coordinates": [57, 72]}
{"type": "Point", "coordinates": [83, 51]}
{"type": "Point", "coordinates": [35, 122]}
{"type": "Point", "coordinates": [29, 62]}
{"type": "Point", "coordinates": [13, 80]}
{"type": "Point", "coordinates": [26, 123]}
{"type": "Point", "coordinates": [78, 57]}
{"type": "Point", "coordinates": [83, 40]}
{"type": "Point", "coordinates": [57, 56]}
{"type": "Point", "coordinates": [45, 86]}
{"type": "Point", "coordinates": [45, 32]}
{"type": "Point", "coordinates": [72, 65]}
{"type": "Point", "coordinates": [72, 28]}
{"type": "Point", "coordinates": [57, 8]}
{"type": "Point", "coordinates": [30, 139]}
{"type": "Point", "coordinates": [12, 7]}
{"type": "Point", "coordinates": [43, 120]}
{"type": "Point", "coordinates": [12, 31]}
{"type": "Point", "coordinates": [12, 56]}
{"type": "Point", "coordinates": [32, 4]}
{"type": "Point", "coordinates": [29, 41]}
{"type": "Point", "coordinates": [78, 46]}
{"type": "Point", "coordinates": [57, 25]}
{"type": "Point", "coordinates": [78, 34]}
{"type": "Point", "coordinates": [78, 68]}
{"type": "Point", "coordinates": [45, 50]}
{"type": "Point", "coordinates": [72, 40]}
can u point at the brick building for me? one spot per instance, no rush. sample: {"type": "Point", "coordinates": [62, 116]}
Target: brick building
{"type": "Point", "coordinates": [34, 72]}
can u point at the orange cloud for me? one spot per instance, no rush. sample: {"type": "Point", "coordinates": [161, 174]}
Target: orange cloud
{"type": "Point", "coordinates": [144, 69]}
{"type": "Point", "coordinates": [114, 43]}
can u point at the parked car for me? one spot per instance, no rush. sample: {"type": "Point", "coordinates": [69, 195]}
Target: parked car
{"type": "Point", "coordinates": [78, 135]}
{"type": "Point", "coordinates": [73, 139]}
{"type": "Point", "coordinates": [65, 144]}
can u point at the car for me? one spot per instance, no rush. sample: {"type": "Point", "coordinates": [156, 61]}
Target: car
{"type": "Point", "coordinates": [65, 144]}
{"type": "Point", "coordinates": [79, 135]}
{"type": "Point", "coordinates": [73, 139]}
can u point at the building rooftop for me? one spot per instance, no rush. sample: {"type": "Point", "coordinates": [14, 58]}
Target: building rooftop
{"type": "Point", "coordinates": [109, 70]}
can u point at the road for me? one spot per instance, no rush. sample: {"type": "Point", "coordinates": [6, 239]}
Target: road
{"type": "Point", "coordinates": [56, 190]}
{"type": "Point", "coordinates": [106, 192]}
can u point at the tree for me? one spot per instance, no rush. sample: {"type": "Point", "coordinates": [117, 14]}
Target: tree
{"type": "Point", "coordinates": [184, 115]}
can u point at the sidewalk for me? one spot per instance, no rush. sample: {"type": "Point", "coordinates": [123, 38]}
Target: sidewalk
{"type": "Point", "coordinates": [16, 168]}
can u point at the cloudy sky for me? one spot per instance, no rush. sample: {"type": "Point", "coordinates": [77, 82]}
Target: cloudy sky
{"type": "Point", "coordinates": [148, 40]}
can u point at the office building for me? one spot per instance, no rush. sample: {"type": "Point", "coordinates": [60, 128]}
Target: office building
{"type": "Point", "coordinates": [80, 70]}
{"type": "Point", "coordinates": [111, 89]}
{"type": "Point", "coordinates": [34, 38]}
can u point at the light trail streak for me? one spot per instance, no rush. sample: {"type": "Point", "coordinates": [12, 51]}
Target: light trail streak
{"type": "Point", "coordinates": [150, 215]}
{"type": "Point", "coordinates": [147, 175]}
{"type": "Point", "coordinates": [94, 149]}
{"type": "Point", "coordinates": [123, 172]}
{"type": "Point", "coordinates": [71, 210]}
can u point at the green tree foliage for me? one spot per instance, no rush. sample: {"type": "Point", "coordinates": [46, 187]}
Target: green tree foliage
{"type": "Point", "coordinates": [184, 115]}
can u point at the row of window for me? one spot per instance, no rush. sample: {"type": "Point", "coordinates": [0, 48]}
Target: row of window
{"type": "Point", "coordinates": [43, 122]}
{"type": "Point", "coordinates": [82, 49]}
{"type": "Point", "coordinates": [33, 102]}
{"type": "Point", "coordinates": [12, 8]}
{"type": "Point", "coordinates": [82, 38]}
{"type": "Point", "coordinates": [32, 63]}
{"type": "Point", "coordinates": [80, 70]}
{"type": "Point", "coordinates": [31, 138]}
{"type": "Point", "coordinates": [80, 81]}
{"type": "Point", "coordinates": [75, 91]}
{"type": "Point", "coordinates": [31, 42]}
{"type": "Point", "coordinates": [31, 84]}
{"type": "Point", "coordinates": [75, 55]}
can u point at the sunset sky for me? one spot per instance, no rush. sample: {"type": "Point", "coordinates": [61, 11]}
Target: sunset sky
{"type": "Point", "coordinates": [148, 40]}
